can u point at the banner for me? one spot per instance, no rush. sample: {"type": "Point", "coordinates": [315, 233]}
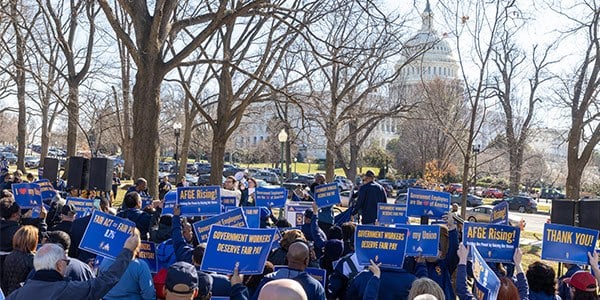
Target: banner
{"type": "Point", "coordinates": [147, 253]}
{"type": "Point", "coordinates": [106, 234]}
{"type": "Point", "coordinates": [83, 206]}
{"type": "Point", "coordinates": [146, 201]}
{"type": "Point", "coordinates": [327, 194]}
{"type": "Point", "coordinates": [46, 189]}
{"type": "Point", "coordinates": [228, 201]}
{"type": "Point", "coordinates": [391, 214]}
{"type": "Point", "coordinates": [386, 245]}
{"type": "Point", "coordinates": [228, 246]}
{"type": "Point", "coordinates": [422, 239]}
{"type": "Point", "coordinates": [273, 197]}
{"type": "Point", "coordinates": [319, 274]}
{"type": "Point", "coordinates": [500, 214]}
{"type": "Point", "coordinates": [487, 283]}
{"type": "Point", "coordinates": [295, 212]}
{"type": "Point", "coordinates": [169, 203]}
{"type": "Point", "coordinates": [422, 202]}
{"type": "Point", "coordinates": [568, 244]}
{"type": "Point", "coordinates": [496, 243]}
{"type": "Point", "coordinates": [199, 200]}
{"type": "Point", "coordinates": [234, 218]}
{"type": "Point", "coordinates": [252, 215]}
{"type": "Point", "coordinates": [27, 195]}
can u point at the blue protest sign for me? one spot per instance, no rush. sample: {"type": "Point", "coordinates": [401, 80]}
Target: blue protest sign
{"type": "Point", "coordinates": [316, 273]}
{"type": "Point", "coordinates": [568, 244]}
{"type": "Point", "coordinates": [386, 245]}
{"type": "Point", "coordinates": [27, 195]}
{"type": "Point", "coordinates": [500, 213]}
{"type": "Point", "coordinates": [295, 212]}
{"type": "Point", "coordinates": [486, 280]}
{"type": "Point", "coordinates": [327, 194]}
{"type": "Point", "coordinates": [496, 243]}
{"type": "Point", "coordinates": [40, 173]}
{"type": "Point", "coordinates": [252, 215]}
{"type": "Point", "coordinates": [169, 203]}
{"type": "Point", "coordinates": [391, 214]}
{"type": "Point", "coordinates": [422, 239]}
{"type": "Point", "coordinates": [422, 202]}
{"type": "Point", "coordinates": [83, 206]}
{"type": "Point", "coordinates": [146, 201]}
{"type": "Point", "coordinates": [46, 189]}
{"type": "Point", "coordinates": [228, 201]}
{"type": "Point", "coordinates": [147, 253]}
{"type": "Point", "coordinates": [199, 200]}
{"type": "Point", "coordinates": [234, 218]}
{"type": "Point", "coordinates": [106, 234]}
{"type": "Point", "coordinates": [228, 246]}
{"type": "Point", "coordinates": [273, 197]}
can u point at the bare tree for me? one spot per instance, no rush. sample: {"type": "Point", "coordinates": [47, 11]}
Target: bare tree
{"type": "Point", "coordinates": [578, 92]}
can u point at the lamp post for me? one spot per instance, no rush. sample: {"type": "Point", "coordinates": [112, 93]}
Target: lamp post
{"type": "Point", "coordinates": [476, 150]}
{"type": "Point", "coordinates": [177, 132]}
{"type": "Point", "coordinates": [282, 137]}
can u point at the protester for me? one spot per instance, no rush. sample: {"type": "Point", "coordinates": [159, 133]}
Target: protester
{"type": "Point", "coordinates": [143, 220]}
{"type": "Point", "coordinates": [282, 289]}
{"type": "Point", "coordinates": [423, 286]}
{"type": "Point", "coordinates": [583, 286]}
{"type": "Point", "coordinates": [507, 289]}
{"type": "Point", "coordinates": [312, 232]}
{"type": "Point", "coordinates": [230, 189]}
{"type": "Point", "coordinates": [369, 194]}
{"type": "Point", "coordinates": [248, 197]}
{"type": "Point", "coordinates": [184, 282]}
{"type": "Point", "coordinates": [253, 281]}
{"type": "Point", "coordinates": [182, 182]}
{"type": "Point", "coordinates": [348, 229]}
{"type": "Point", "coordinates": [164, 187]}
{"type": "Point", "coordinates": [76, 269]}
{"type": "Point", "coordinates": [278, 255]}
{"type": "Point", "coordinates": [564, 291]}
{"type": "Point", "coordinates": [116, 182]}
{"type": "Point", "coordinates": [30, 178]}
{"type": "Point", "coordinates": [344, 271]}
{"type": "Point", "coordinates": [19, 262]}
{"type": "Point", "coordinates": [135, 283]}
{"type": "Point", "coordinates": [300, 194]}
{"type": "Point", "coordinates": [9, 223]}
{"type": "Point", "coordinates": [140, 187]}
{"type": "Point", "coordinates": [163, 231]}
{"type": "Point", "coordinates": [67, 216]}
{"type": "Point", "coordinates": [297, 260]}
{"type": "Point", "coordinates": [77, 231]}
{"type": "Point", "coordinates": [51, 262]}
{"type": "Point", "coordinates": [542, 281]}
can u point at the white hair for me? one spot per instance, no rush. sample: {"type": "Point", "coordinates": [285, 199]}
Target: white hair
{"type": "Point", "coordinates": [57, 199]}
{"type": "Point", "coordinates": [425, 297]}
{"type": "Point", "coordinates": [47, 257]}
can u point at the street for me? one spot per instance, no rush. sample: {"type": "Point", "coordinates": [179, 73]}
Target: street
{"type": "Point", "coordinates": [534, 222]}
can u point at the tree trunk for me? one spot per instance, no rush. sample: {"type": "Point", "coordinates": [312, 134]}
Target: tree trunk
{"type": "Point", "coordinates": [146, 110]}
{"type": "Point", "coordinates": [465, 183]}
{"type": "Point", "coordinates": [217, 154]}
{"type": "Point", "coordinates": [127, 146]}
{"type": "Point", "coordinates": [45, 138]}
{"type": "Point", "coordinates": [73, 119]}
{"type": "Point", "coordinates": [288, 159]}
{"type": "Point", "coordinates": [573, 183]}
{"type": "Point", "coordinates": [185, 147]}
{"type": "Point", "coordinates": [20, 82]}
{"type": "Point", "coordinates": [516, 165]}
{"type": "Point", "coordinates": [330, 155]}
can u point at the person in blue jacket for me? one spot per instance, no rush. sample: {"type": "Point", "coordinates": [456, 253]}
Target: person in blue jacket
{"type": "Point", "coordinates": [143, 221]}
{"type": "Point", "coordinates": [564, 291]}
{"type": "Point", "coordinates": [312, 231]}
{"type": "Point", "coordinates": [370, 194]}
{"type": "Point", "coordinates": [507, 290]}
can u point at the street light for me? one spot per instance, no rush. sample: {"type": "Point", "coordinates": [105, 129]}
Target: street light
{"type": "Point", "coordinates": [282, 137]}
{"type": "Point", "coordinates": [177, 132]}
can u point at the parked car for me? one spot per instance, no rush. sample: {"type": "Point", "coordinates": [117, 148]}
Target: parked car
{"type": "Point", "coordinates": [483, 214]}
{"type": "Point", "coordinates": [343, 183]}
{"type": "Point", "coordinates": [388, 181]}
{"type": "Point", "coordinates": [165, 166]}
{"type": "Point", "coordinates": [387, 187]}
{"type": "Point", "coordinates": [10, 157]}
{"type": "Point", "coordinates": [267, 176]}
{"type": "Point", "coordinates": [401, 198]}
{"type": "Point", "coordinates": [204, 179]}
{"type": "Point", "coordinates": [472, 200]}
{"type": "Point", "coordinates": [230, 170]}
{"type": "Point", "coordinates": [520, 203]}
{"type": "Point", "coordinates": [303, 179]}
{"type": "Point", "coordinates": [551, 194]}
{"type": "Point", "coordinates": [202, 168]}
{"type": "Point", "coordinates": [454, 188]}
{"type": "Point", "coordinates": [32, 162]}
{"type": "Point", "coordinates": [190, 168]}
{"type": "Point", "coordinates": [493, 193]}
{"type": "Point", "coordinates": [346, 197]}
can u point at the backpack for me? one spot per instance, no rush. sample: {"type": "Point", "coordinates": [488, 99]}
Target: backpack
{"type": "Point", "coordinates": [165, 254]}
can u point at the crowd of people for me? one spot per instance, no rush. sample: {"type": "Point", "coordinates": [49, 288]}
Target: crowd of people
{"type": "Point", "coordinates": [40, 257]}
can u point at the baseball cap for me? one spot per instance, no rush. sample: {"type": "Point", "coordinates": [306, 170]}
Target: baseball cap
{"type": "Point", "coordinates": [205, 282]}
{"type": "Point", "coordinates": [68, 209]}
{"type": "Point", "coordinates": [182, 278]}
{"type": "Point", "coordinates": [370, 173]}
{"type": "Point", "coordinates": [583, 281]}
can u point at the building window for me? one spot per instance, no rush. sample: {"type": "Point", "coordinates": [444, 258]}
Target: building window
{"type": "Point", "coordinates": [254, 140]}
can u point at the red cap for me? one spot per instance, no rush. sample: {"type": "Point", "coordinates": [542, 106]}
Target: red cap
{"type": "Point", "coordinates": [583, 281]}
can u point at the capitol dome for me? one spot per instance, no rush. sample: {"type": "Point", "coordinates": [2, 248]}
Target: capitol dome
{"type": "Point", "coordinates": [437, 59]}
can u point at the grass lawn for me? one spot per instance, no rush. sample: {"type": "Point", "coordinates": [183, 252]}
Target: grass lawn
{"type": "Point", "coordinates": [306, 168]}
{"type": "Point", "coordinates": [543, 207]}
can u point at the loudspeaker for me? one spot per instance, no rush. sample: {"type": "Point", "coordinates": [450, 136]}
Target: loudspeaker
{"type": "Point", "coordinates": [78, 173]}
{"type": "Point", "coordinates": [563, 212]}
{"type": "Point", "coordinates": [101, 174]}
{"type": "Point", "coordinates": [50, 169]}
{"type": "Point", "coordinates": [589, 213]}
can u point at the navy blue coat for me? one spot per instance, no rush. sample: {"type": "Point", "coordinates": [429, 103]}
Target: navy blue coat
{"type": "Point", "coordinates": [369, 195]}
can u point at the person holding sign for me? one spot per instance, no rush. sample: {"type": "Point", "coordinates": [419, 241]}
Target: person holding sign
{"type": "Point", "coordinates": [326, 213]}
{"type": "Point", "coordinates": [10, 222]}
{"type": "Point", "coordinates": [67, 216]}
{"type": "Point", "coordinates": [143, 220]}
{"type": "Point", "coordinates": [297, 261]}
{"type": "Point", "coordinates": [50, 263]}
{"type": "Point", "coordinates": [507, 290]}
{"type": "Point", "coordinates": [369, 194]}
